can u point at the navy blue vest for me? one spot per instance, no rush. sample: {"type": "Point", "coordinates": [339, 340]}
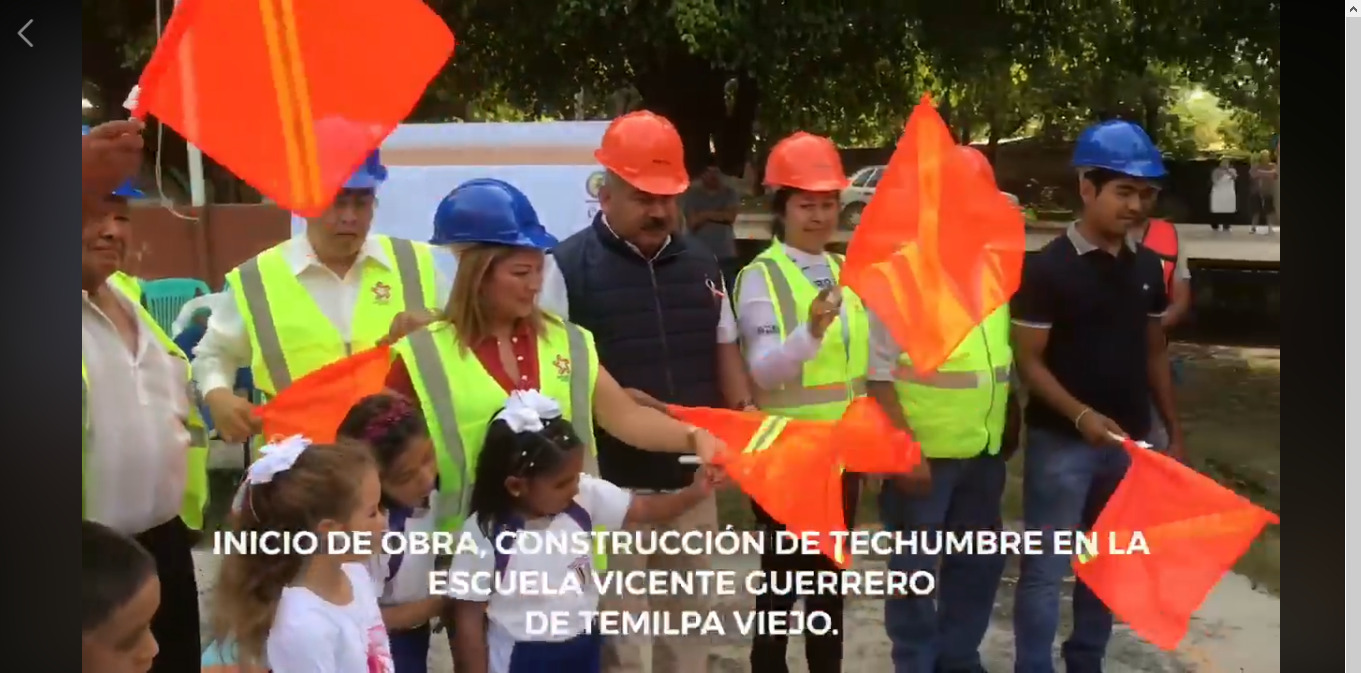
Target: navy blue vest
{"type": "Point", "coordinates": [655, 325]}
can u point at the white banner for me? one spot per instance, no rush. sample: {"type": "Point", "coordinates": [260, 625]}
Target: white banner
{"type": "Point", "coordinates": [564, 195]}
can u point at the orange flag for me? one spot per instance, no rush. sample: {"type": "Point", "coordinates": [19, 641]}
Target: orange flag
{"type": "Point", "coordinates": [938, 248]}
{"type": "Point", "coordinates": [292, 95]}
{"type": "Point", "coordinates": [1195, 530]}
{"type": "Point", "coordinates": [793, 471]}
{"type": "Point", "coordinates": [315, 404]}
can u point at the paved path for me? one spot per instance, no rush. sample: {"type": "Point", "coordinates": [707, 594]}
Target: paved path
{"type": "Point", "coordinates": [1237, 630]}
{"type": "Point", "coordinates": [1201, 242]}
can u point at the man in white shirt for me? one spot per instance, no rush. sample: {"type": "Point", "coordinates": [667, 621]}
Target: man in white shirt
{"type": "Point", "coordinates": [137, 444]}
{"type": "Point", "coordinates": [348, 276]}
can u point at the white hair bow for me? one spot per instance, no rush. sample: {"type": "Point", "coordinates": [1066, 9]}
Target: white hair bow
{"type": "Point", "coordinates": [275, 457]}
{"type": "Point", "coordinates": [526, 411]}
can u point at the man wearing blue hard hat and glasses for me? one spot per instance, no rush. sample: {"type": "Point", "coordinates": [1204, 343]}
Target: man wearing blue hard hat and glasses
{"type": "Point", "coordinates": [1088, 300]}
{"type": "Point", "coordinates": [334, 290]}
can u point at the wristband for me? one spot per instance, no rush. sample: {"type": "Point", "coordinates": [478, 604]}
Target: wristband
{"type": "Point", "coordinates": [1077, 420]}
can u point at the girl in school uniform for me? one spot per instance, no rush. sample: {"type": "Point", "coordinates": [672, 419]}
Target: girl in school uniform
{"type": "Point", "coordinates": [529, 478]}
{"type": "Point", "coordinates": [395, 432]}
{"type": "Point", "coordinates": [296, 613]}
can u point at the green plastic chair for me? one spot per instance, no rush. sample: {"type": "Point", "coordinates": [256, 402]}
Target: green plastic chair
{"type": "Point", "coordinates": [164, 297]}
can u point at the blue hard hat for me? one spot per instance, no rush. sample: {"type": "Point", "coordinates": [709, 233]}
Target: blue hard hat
{"type": "Point", "coordinates": [128, 191]}
{"type": "Point", "coordinates": [486, 210]}
{"type": "Point", "coordinates": [369, 175]}
{"type": "Point", "coordinates": [1119, 146]}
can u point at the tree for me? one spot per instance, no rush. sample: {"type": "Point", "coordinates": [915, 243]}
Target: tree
{"type": "Point", "coordinates": [711, 68]}
{"type": "Point", "coordinates": [736, 76]}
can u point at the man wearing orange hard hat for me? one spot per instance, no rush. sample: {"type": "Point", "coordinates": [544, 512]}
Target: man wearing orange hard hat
{"type": "Point", "coordinates": [967, 423]}
{"type": "Point", "coordinates": [657, 305]}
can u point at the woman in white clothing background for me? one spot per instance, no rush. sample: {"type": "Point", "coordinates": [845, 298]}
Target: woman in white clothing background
{"type": "Point", "coordinates": [1223, 195]}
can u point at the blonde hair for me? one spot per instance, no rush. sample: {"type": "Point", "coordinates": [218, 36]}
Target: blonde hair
{"type": "Point", "coordinates": [467, 309]}
{"type": "Point", "coordinates": [322, 484]}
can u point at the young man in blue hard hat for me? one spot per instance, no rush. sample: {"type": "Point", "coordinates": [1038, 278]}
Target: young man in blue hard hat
{"type": "Point", "coordinates": [1088, 300]}
{"type": "Point", "coordinates": [333, 290]}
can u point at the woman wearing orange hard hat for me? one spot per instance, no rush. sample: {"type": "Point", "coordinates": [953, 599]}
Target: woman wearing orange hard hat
{"type": "Point", "coordinates": [806, 343]}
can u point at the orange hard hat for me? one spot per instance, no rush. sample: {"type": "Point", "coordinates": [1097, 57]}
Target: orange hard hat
{"type": "Point", "coordinates": [645, 150]}
{"type": "Point", "coordinates": [978, 161]}
{"type": "Point", "coordinates": [807, 162]}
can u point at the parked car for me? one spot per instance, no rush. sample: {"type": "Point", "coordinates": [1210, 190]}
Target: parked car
{"type": "Point", "coordinates": [863, 183]}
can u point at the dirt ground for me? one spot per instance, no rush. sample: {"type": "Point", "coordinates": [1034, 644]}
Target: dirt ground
{"type": "Point", "coordinates": [1230, 405]}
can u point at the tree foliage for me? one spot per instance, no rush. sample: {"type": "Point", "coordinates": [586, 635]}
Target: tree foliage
{"type": "Point", "coordinates": [735, 75]}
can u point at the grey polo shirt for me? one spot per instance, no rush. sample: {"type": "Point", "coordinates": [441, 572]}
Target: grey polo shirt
{"type": "Point", "coordinates": [717, 237]}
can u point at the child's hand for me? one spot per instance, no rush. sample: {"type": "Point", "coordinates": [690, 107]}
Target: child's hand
{"type": "Point", "coordinates": [708, 478]}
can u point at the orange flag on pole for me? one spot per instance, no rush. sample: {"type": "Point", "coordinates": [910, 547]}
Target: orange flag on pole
{"type": "Point", "coordinates": [292, 95]}
{"type": "Point", "coordinates": [938, 248]}
{"type": "Point", "coordinates": [792, 469]}
{"type": "Point", "coordinates": [315, 404]}
{"type": "Point", "coordinates": [1195, 531]}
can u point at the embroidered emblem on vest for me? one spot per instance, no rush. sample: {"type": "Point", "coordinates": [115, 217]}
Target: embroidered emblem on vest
{"type": "Point", "coordinates": [564, 366]}
{"type": "Point", "coordinates": [382, 293]}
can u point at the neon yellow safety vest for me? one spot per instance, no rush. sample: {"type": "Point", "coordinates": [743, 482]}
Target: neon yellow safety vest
{"type": "Point", "coordinates": [128, 284]}
{"type": "Point", "coordinates": [196, 484]}
{"type": "Point", "coordinates": [837, 374]}
{"type": "Point", "coordinates": [959, 410]}
{"type": "Point", "coordinates": [289, 335]}
{"type": "Point", "coordinates": [458, 416]}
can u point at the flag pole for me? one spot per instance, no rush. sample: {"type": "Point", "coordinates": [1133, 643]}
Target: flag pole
{"type": "Point", "coordinates": [197, 191]}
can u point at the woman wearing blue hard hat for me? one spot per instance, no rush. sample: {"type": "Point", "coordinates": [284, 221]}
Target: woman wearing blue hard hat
{"type": "Point", "coordinates": [492, 339]}
{"type": "Point", "coordinates": [1089, 343]}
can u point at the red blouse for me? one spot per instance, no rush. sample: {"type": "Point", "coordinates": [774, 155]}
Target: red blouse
{"type": "Point", "coordinates": [522, 345]}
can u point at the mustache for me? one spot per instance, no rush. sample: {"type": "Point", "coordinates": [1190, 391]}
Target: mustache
{"type": "Point", "coordinates": [654, 224]}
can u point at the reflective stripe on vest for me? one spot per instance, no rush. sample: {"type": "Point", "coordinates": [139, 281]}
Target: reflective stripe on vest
{"type": "Point", "coordinates": [377, 305]}
{"type": "Point", "coordinates": [459, 422]}
{"type": "Point", "coordinates": [196, 482]}
{"type": "Point", "coordinates": [959, 410]}
{"type": "Point", "coordinates": [837, 374]}
{"type": "Point", "coordinates": [1161, 237]}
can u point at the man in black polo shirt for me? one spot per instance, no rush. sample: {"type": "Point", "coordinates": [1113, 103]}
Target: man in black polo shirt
{"type": "Point", "coordinates": [657, 305]}
{"type": "Point", "coordinates": [1089, 302]}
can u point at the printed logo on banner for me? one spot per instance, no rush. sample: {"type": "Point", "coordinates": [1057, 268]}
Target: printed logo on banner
{"type": "Point", "coordinates": [593, 183]}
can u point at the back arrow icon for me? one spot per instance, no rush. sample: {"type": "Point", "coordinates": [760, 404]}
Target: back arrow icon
{"type": "Point", "coordinates": [21, 33]}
